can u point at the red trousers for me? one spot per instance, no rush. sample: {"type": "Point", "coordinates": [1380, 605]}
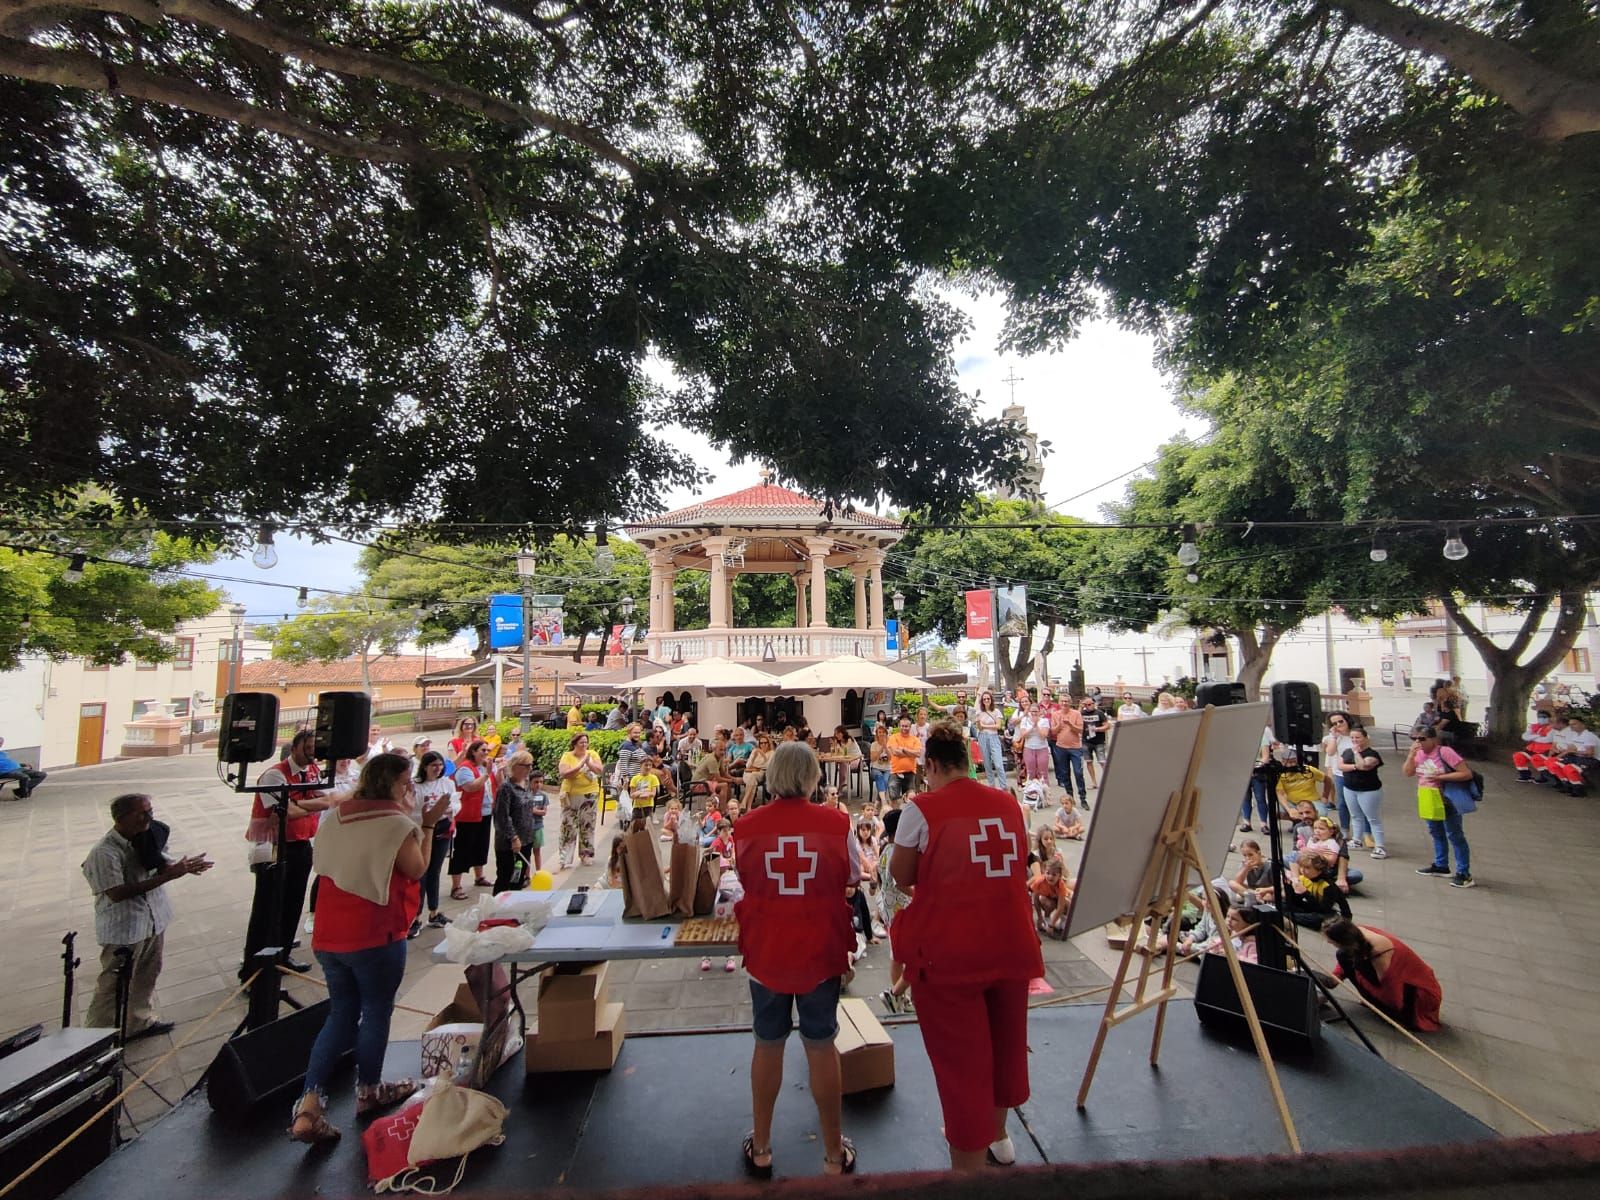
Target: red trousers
{"type": "Point", "coordinates": [976, 1036]}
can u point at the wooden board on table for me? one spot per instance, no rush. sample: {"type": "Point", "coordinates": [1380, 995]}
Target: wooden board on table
{"type": "Point", "coordinates": [708, 931]}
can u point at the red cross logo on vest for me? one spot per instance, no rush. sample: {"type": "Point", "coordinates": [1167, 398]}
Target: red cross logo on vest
{"type": "Point", "coordinates": [994, 848]}
{"type": "Point", "coordinates": [791, 864]}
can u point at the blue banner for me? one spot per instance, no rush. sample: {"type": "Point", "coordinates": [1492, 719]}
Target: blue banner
{"type": "Point", "coordinates": [505, 621]}
{"type": "Point", "coordinates": [893, 628]}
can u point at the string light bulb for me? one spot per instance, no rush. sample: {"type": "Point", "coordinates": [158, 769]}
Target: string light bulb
{"type": "Point", "coordinates": [1193, 577]}
{"type": "Point", "coordinates": [303, 596]}
{"type": "Point", "coordinates": [27, 622]}
{"type": "Point", "coordinates": [1454, 548]}
{"type": "Point", "coordinates": [265, 555]}
{"type": "Point", "coordinates": [74, 571]}
{"type": "Point", "coordinates": [1188, 552]}
{"type": "Point", "coordinates": [604, 558]}
{"type": "Point", "coordinates": [1380, 549]}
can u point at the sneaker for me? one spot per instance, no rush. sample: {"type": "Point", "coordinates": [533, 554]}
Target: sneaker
{"type": "Point", "coordinates": [891, 1002]}
{"type": "Point", "coordinates": [1434, 869]}
{"type": "Point", "coordinates": [311, 922]}
{"type": "Point", "coordinates": [1003, 1153]}
{"type": "Point", "coordinates": [1380, 852]}
{"type": "Point", "coordinates": [438, 921]}
{"type": "Point", "coordinates": [1463, 881]}
{"type": "Point", "coordinates": [416, 928]}
{"type": "Point", "coordinates": [1245, 828]}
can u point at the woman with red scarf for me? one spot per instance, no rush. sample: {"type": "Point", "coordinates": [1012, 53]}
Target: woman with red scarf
{"type": "Point", "coordinates": [968, 945]}
{"type": "Point", "coordinates": [369, 853]}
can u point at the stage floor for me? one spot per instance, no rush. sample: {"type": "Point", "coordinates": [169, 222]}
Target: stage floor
{"type": "Point", "coordinates": [675, 1107]}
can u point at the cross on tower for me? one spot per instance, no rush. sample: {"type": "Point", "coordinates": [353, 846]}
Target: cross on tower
{"type": "Point", "coordinates": [994, 848]}
{"type": "Point", "coordinates": [1013, 380]}
{"type": "Point", "coordinates": [791, 873]}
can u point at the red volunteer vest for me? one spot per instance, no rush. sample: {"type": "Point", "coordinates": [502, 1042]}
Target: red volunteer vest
{"type": "Point", "coordinates": [346, 923]}
{"type": "Point", "coordinates": [970, 920]}
{"type": "Point", "coordinates": [471, 804]}
{"type": "Point", "coordinates": [298, 829]}
{"type": "Point", "coordinates": [1543, 744]}
{"type": "Point", "coordinates": [794, 920]}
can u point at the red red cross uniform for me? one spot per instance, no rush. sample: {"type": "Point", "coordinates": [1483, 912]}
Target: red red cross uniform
{"type": "Point", "coordinates": [794, 920]}
{"type": "Point", "coordinates": [969, 948]}
{"type": "Point", "coordinates": [1536, 758]}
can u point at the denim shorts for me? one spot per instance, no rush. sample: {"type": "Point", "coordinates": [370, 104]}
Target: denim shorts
{"type": "Point", "coordinates": [818, 1009]}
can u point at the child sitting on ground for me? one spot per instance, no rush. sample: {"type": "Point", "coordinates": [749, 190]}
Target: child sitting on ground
{"type": "Point", "coordinates": [669, 823]}
{"type": "Point", "coordinates": [1241, 931]}
{"type": "Point", "coordinates": [1253, 874]}
{"type": "Point", "coordinates": [614, 864]}
{"type": "Point", "coordinates": [1043, 852]}
{"type": "Point", "coordinates": [1316, 896]}
{"type": "Point", "coordinates": [1052, 896]}
{"type": "Point", "coordinates": [1067, 823]}
{"type": "Point", "coordinates": [1326, 841]}
{"type": "Point", "coordinates": [723, 843]}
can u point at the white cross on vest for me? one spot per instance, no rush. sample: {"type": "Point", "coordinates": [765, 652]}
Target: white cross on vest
{"type": "Point", "coordinates": [791, 873]}
{"type": "Point", "coordinates": [994, 848]}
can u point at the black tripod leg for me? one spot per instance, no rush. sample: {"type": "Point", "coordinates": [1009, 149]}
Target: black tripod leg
{"type": "Point", "coordinates": [1293, 951]}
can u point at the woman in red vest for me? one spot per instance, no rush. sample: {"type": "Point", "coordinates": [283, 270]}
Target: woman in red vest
{"type": "Point", "coordinates": [476, 785]}
{"type": "Point", "coordinates": [968, 945]}
{"type": "Point", "coordinates": [369, 853]}
{"type": "Point", "coordinates": [796, 862]}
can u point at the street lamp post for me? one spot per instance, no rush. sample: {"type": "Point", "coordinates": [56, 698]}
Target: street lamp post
{"type": "Point", "coordinates": [626, 606]}
{"type": "Point", "coordinates": [527, 563]}
{"type": "Point", "coordinates": [899, 601]}
{"type": "Point", "coordinates": [236, 611]}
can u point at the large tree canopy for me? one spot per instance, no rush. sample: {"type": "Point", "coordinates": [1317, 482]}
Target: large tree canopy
{"type": "Point", "coordinates": [331, 262]}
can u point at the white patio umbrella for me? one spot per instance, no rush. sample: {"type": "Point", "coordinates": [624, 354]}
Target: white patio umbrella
{"type": "Point", "coordinates": [718, 676]}
{"type": "Point", "coordinates": [850, 671]}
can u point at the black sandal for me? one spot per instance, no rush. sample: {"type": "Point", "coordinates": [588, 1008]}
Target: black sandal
{"type": "Point", "coordinates": [751, 1166]}
{"type": "Point", "coordinates": [846, 1162]}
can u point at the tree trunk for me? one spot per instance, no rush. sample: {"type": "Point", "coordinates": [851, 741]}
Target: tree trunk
{"type": "Point", "coordinates": [1556, 105]}
{"type": "Point", "coordinates": [1017, 669]}
{"type": "Point", "coordinates": [1512, 681]}
{"type": "Point", "coordinates": [366, 667]}
{"type": "Point", "coordinates": [583, 641]}
{"type": "Point", "coordinates": [1255, 656]}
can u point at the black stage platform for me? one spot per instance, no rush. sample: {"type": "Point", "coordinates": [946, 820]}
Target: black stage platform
{"type": "Point", "coordinates": [674, 1108]}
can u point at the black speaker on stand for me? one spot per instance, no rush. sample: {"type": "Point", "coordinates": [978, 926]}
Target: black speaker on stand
{"type": "Point", "coordinates": [342, 722]}
{"type": "Point", "coordinates": [1285, 1002]}
{"type": "Point", "coordinates": [249, 728]}
{"type": "Point", "coordinates": [1219, 695]}
{"type": "Point", "coordinates": [1297, 713]}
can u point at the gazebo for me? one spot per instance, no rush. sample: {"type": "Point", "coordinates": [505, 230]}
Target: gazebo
{"type": "Point", "coordinates": [770, 530]}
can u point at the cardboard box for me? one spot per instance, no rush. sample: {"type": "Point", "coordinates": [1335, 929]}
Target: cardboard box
{"type": "Point", "coordinates": [866, 1053]}
{"type": "Point", "coordinates": [572, 1003]}
{"type": "Point", "coordinates": [433, 991]}
{"type": "Point", "coordinates": [598, 1053]}
{"type": "Point", "coordinates": [458, 1026]}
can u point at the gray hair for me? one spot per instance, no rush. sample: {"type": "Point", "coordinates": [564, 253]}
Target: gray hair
{"type": "Point", "coordinates": [125, 804]}
{"type": "Point", "coordinates": [793, 770]}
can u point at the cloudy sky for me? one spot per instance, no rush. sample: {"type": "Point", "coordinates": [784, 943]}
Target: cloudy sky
{"type": "Point", "coordinates": [1099, 401]}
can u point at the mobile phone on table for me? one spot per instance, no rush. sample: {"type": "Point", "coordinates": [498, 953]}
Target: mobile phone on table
{"type": "Point", "coordinates": [579, 899]}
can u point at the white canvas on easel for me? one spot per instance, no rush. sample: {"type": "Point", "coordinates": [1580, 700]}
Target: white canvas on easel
{"type": "Point", "coordinates": [1173, 789]}
{"type": "Point", "coordinates": [1149, 760]}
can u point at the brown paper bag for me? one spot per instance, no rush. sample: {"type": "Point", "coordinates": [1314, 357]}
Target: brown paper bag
{"type": "Point", "coordinates": [685, 876]}
{"type": "Point", "coordinates": [644, 894]}
{"type": "Point", "coordinates": [706, 880]}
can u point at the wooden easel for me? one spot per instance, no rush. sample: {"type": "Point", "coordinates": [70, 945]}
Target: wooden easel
{"type": "Point", "coordinates": [1161, 893]}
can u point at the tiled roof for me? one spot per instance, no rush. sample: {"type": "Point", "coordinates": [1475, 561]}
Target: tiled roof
{"type": "Point", "coordinates": [390, 668]}
{"type": "Point", "coordinates": [764, 500]}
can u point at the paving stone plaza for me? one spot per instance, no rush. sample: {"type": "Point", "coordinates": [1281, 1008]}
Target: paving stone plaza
{"type": "Point", "coordinates": [1518, 956]}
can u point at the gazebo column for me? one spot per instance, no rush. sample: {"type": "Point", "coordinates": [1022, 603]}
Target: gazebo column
{"type": "Point", "coordinates": [875, 588]}
{"type": "Point", "coordinates": [859, 575]}
{"type": "Point", "coordinates": [818, 549]}
{"type": "Point", "coordinates": [660, 592]}
{"type": "Point", "coordinates": [669, 612]}
{"type": "Point", "coordinates": [799, 601]}
{"type": "Point", "coordinates": [714, 546]}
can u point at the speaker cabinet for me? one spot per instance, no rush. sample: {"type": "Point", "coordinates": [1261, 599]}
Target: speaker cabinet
{"type": "Point", "coordinates": [249, 727]}
{"type": "Point", "coordinates": [1219, 695]}
{"type": "Point", "coordinates": [1297, 713]}
{"type": "Point", "coordinates": [265, 1065]}
{"type": "Point", "coordinates": [342, 722]}
{"type": "Point", "coordinates": [1286, 1004]}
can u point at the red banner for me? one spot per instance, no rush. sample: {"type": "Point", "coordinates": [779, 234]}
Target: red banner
{"type": "Point", "coordinates": [980, 614]}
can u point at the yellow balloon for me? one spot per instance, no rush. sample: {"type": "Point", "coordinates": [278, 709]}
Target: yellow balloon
{"type": "Point", "coordinates": [541, 881]}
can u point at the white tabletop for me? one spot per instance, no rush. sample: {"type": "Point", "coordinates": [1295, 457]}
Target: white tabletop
{"type": "Point", "coordinates": [601, 933]}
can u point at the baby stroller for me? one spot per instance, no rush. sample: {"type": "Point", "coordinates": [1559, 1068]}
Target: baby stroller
{"type": "Point", "coordinates": [1034, 794]}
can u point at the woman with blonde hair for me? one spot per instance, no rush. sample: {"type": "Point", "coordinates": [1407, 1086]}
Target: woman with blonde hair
{"type": "Point", "coordinates": [580, 772]}
{"type": "Point", "coordinates": [987, 724]}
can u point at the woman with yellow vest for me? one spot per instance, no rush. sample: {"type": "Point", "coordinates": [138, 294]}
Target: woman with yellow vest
{"type": "Point", "coordinates": [968, 945]}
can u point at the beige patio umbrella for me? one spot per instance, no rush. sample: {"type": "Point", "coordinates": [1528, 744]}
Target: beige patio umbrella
{"type": "Point", "coordinates": [718, 676]}
{"type": "Point", "coordinates": [849, 671]}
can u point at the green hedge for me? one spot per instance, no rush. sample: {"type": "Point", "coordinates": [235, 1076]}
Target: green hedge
{"type": "Point", "coordinates": [602, 709]}
{"type": "Point", "coordinates": [548, 745]}
{"type": "Point", "coordinates": [914, 700]}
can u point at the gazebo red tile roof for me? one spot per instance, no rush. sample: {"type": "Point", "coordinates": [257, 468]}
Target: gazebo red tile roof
{"type": "Point", "coordinates": [764, 501]}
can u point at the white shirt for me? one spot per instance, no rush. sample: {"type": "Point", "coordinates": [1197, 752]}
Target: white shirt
{"type": "Point", "coordinates": [1585, 744]}
{"type": "Point", "coordinates": [1129, 712]}
{"type": "Point", "coordinates": [112, 863]}
{"type": "Point", "coordinates": [1035, 731]}
{"type": "Point", "coordinates": [429, 789]}
{"type": "Point", "coordinates": [912, 831]}
{"type": "Point", "coordinates": [1333, 749]}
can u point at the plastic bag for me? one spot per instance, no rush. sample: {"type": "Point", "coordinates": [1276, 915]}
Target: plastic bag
{"type": "Point", "coordinates": [1430, 804]}
{"type": "Point", "coordinates": [464, 944]}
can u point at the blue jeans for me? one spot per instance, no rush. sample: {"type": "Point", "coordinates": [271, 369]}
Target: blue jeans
{"type": "Point", "coordinates": [1342, 803]}
{"type": "Point", "coordinates": [880, 781]}
{"type": "Point", "coordinates": [1366, 814]}
{"type": "Point", "coordinates": [1447, 835]}
{"type": "Point", "coordinates": [1261, 789]}
{"type": "Point", "coordinates": [1069, 762]}
{"type": "Point", "coordinates": [361, 990]}
{"type": "Point", "coordinates": [994, 767]}
{"type": "Point", "coordinates": [773, 1013]}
